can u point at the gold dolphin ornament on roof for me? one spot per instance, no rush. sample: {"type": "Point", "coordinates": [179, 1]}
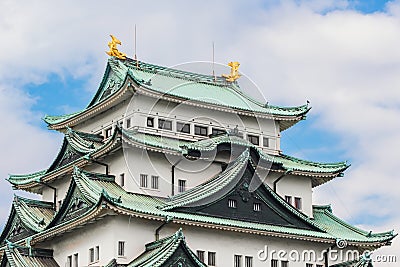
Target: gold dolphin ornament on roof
{"type": "Point", "coordinates": [113, 48]}
{"type": "Point", "coordinates": [234, 75]}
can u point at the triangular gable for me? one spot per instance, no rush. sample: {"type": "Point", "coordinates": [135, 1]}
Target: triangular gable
{"type": "Point", "coordinates": [26, 218]}
{"type": "Point", "coordinates": [75, 145]}
{"type": "Point", "coordinates": [230, 195]}
{"type": "Point", "coordinates": [80, 198]}
{"type": "Point", "coordinates": [171, 251]}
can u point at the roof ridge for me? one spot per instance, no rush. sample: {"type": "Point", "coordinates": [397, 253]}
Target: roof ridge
{"type": "Point", "coordinates": [203, 189]}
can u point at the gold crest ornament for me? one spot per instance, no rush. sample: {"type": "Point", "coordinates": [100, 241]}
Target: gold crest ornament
{"type": "Point", "coordinates": [113, 48]}
{"type": "Point", "coordinates": [234, 75]}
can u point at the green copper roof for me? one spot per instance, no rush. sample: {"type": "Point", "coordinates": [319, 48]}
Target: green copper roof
{"type": "Point", "coordinates": [17, 179]}
{"type": "Point", "coordinates": [88, 144]}
{"type": "Point", "coordinates": [29, 214]}
{"type": "Point", "coordinates": [184, 85]}
{"type": "Point", "coordinates": [288, 162]}
{"type": "Point", "coordinates": [212, 186]}
{"type": "Point", "coordinates": [331, 228]}
{"type": "Point", "coordinates": [364, 261]}
{"type": "Point", "coordinates": [34, 214]}
{"type": "Point", "coordinates": [76, 146]}
{"type": "Point", "coordinates": [59, 118]}
{"type": "Point", "coordinates": [20, 256]}
{"type": "Point", "coordinates": [156, 141]}
{"type": "Point", "coordinates": [325, 219]}
{"type": "Point", "coordinates": [201, 88]}
{"type": "Point", "coordinates": [159, 252]}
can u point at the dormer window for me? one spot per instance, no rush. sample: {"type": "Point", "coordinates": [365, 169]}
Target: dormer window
{"type": "Point", "coordinates": [232, 203]}
{"type": "Point", "coordinates": [254, 139]}
{"type": "Point", "coordinates": [257, 206]}
{"type": "Point", "coordinates": [164, 124]}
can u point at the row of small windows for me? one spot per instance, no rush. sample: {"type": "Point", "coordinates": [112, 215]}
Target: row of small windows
{"type": "Point", "coordinates": [182, 127]}
{"type": "Point", "coordinates": [211, 259]}
{"type": "Point", "coordinates": [200, 130]}
{"type": "Point", "coordinates": [232, 203]}
{"type": "Point", "coordinates": [297, 203]}
{"type": "Point", "coordinates": [94, 255]}
{"type": "Point", "coordinates": [144, 183]}
{"type": "Point", "coordinates": [238, 261]}
{"type": "Point", "coordinates": [154, 181]}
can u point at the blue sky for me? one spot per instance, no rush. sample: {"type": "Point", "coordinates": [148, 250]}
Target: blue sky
{"type": "Point", "coordinates": [341, 55]}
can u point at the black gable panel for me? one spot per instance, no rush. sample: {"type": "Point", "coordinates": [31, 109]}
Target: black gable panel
{"type": "Point", "coordinates": [180, 258]}
{"type": "Point", "coordinates": [258, 206]}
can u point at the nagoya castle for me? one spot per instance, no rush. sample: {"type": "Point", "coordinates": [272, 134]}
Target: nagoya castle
{"type": "Point", "coordinates": [166, 167]}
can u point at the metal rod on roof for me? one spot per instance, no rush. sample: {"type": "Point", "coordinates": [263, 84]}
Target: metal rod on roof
{"type": "Point", "coordinates": [135, 56]}
{"type": "Point", "coordinates": [213, 61]}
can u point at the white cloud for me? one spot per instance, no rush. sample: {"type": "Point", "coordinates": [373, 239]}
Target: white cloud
{"type": "Point", "coordinates": [345, 62]}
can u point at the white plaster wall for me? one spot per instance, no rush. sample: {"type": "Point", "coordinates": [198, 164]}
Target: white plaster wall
{"type": "Point", "coordinates": [297, 186]}
{"type": "Point", "coordinates": [62, 186]}
{"type": "Point", "coordinates": [135, 161]}
{"type": "Point", "coordinates": [136, 233]}
{"type": "Point", "coordinates": [104, 120]}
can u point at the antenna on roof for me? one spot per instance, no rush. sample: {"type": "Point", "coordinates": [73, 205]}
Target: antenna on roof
{"type": "Point", "coordinates": [213, 61]}
{"type": "Point", "coordinates": [135, 56]}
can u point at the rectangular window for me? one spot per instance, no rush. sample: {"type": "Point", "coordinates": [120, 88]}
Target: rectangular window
{"type": "Point", "coordinates": [232, 203]}
{"type": "Point", "coordinates": [274, 263]}
{"type": "Point", "coordinates": [76, 261]}
{"type": "Point", "coordinates": [128, 123]}
{"type": "Point", "coordinates": [200, 255]}
{"type": "Point", "coordinates": [265, 142]}
{"type": "Point", "coordinates": [181, 186]}
{"type": "Point", "coordinates": [164, 124]}
{"type": "Point", "coordinates": [108, 132]}
{"type": "Point", "coordinates": [248, 261]}
{"type": "Point", "coordinates": [154, 182]}
{"type": "Point", "coordinates": [143, 180]}
{"type": "Point", "coordinates": [297, 203]}
{"type": "Point", "coordinates": [288, 199]}
{"type": "Point", "coordinates": [211, 258]}
{"type": "Point", "coordinates": [91, 255]}
{"type": "Point", "coordinates": [257, 206]}
{"type": "Point", "coordinates": [69, 261]}
{"type": "Point", "coordinates": [121, 248]}
{"type": "Point", "coordinates": [254, 139]}
{"type": "Point", "coordinates": [183, 127]}
{"type": "Point", "coordinates": [150, 122]}
{"type": "Point", "coordinates": [284, 264]}
{"type": "Point", "coordinates": [237, 261]}
{"type": "Point", "coordinates": [200, 130]}
{"type": "Point", "coordinates": [122, 179]}
{"type": "Point", "coordinates": [216, 131]}
{"type": "Point", "coordinates": [309, 265]}
{"type": "Point", "coordinates": [97, 253]}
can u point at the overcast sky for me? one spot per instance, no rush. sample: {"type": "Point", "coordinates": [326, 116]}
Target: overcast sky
{"type": "Point", "coordinates": [342, 56]}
